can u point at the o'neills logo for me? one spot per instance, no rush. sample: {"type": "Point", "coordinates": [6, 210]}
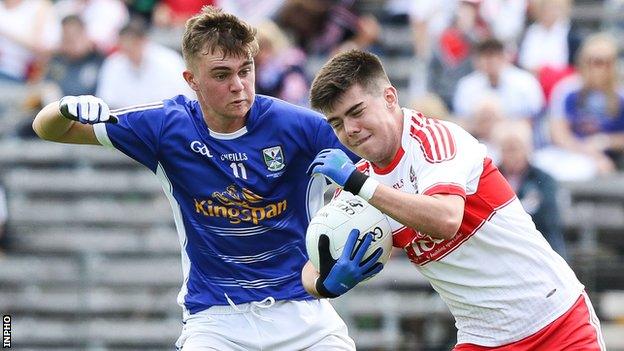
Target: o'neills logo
{"type": "Point", "coordinates": [239, 205]}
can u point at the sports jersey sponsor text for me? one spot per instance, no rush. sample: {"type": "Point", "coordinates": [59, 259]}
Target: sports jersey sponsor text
{"type": "Point", "coordinates": [399, 184]}
{"type": "Point", "coordinates": [239, 205]}
{"type": "Point", "coordinates": [234, 157]}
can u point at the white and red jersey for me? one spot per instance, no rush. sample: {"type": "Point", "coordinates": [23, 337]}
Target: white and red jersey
{"type": "Point", "coordinates": [498, 275]}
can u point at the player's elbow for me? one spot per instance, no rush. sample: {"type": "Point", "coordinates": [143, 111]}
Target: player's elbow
{"type": "Point", "coordinates": [38, 130]}
{"type": "Point", "coordinates": [445, 226]}
{"type": "Point", "coordinates": [449, 217]}
{"type": "Point", "coordinates": [449, 227]}
{"type": "Point", "coordinates": [39, 124]}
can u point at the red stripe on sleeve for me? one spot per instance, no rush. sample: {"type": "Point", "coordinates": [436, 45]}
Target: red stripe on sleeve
{"type": "Point", "coordinates": [440, 150]}
{"type": "Point", "coordinates": [445, 188]}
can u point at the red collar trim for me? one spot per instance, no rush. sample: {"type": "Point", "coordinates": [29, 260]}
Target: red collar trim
{"type": "Point", "coordinates": [392, 165]}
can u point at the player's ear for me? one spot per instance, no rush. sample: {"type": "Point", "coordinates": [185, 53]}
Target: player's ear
{"type": "Point", "coordinates": [189, 77]}
{"type": "Point", "coordinates": [390, 96]}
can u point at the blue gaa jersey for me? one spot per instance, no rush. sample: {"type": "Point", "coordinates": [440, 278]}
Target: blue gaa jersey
{"type": "Point", "coordinates": [241, 201]}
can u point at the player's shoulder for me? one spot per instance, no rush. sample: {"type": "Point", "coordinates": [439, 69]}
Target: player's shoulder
{"type": "Point", "coordinates": [287, 113]}
{"type": "Point", "coordinates": [436, 140]}
{"type": "Point", "coordinates": [158, 111]}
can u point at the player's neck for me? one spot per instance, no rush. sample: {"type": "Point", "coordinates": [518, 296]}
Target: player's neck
{"type": "Point", "coordinates": [223, 124]}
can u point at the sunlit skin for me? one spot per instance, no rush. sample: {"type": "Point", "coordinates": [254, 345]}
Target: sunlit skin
{"type": "Point", "coordinates": [225, 89]}
{"type": "Point", "coordinates": [369, 124]}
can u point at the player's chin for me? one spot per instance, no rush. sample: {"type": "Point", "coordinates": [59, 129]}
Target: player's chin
{"type": "Point", "coordinates": [239, 109]}
{"type": "Point", "coordinates": [366, 152]}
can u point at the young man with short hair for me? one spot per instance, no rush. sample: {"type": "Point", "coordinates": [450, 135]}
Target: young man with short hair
{"type": "Point", "coordinates": [233, 165]}
{"type": "Point", "coordinates": [452, 212]}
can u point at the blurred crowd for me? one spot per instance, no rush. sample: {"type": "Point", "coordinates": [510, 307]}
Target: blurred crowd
{"type": "Point", "coordinates": [545, 95]}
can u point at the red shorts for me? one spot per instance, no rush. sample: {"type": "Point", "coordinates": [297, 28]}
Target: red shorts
{"type": "Point", "coordinates": [576, 330]}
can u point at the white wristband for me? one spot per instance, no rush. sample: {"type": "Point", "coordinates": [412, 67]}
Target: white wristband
{"type": "Point", "coordinates": [368, 189]}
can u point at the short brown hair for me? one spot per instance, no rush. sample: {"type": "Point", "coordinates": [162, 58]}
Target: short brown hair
{"type": "Point", "coordinates": [490, 46]}
{"type": "Point", "coordinates": [341, 73]}
{"type": "Point", "coordinates": [213, 30]}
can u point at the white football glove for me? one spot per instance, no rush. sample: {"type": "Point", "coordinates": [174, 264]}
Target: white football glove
{"type": "Point", "coordinates": [86, 109]}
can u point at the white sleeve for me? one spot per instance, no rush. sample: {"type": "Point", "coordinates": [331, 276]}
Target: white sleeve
{"type": "Point", "coordinates": [448, 158]}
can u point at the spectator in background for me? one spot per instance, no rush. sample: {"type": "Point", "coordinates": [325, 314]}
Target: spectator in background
{"type": "Point", "coordinates": [431, 105]}
{"type": "Point", "coordinates": [519, 92]}
{"type": "Point", "coordinates": [505, 19]}
{"type": "Point", "coordinates": [487, 114]}
{"type": "Point", "coordinates": [103, 19]}
{"type": "Point", "coordinates": [141, 8]}
{"type": "Point", "coordinates": [253, 11]}
{"type": "Point", "coordinates": [326, 26]}
{"type": "Point", "coordinates": [451, 54]}
{"type": "Point", "coordinates": [174, 13]}
{"type": "Point", "coordinates": [427, 20]}
{"type": "Point", "coordinates": [550, 43]}
{"type": "Point", "coordinates": [590, 118]}
{"type": "Point", "coordinates": [29, 31]}
{"type": "Point", "coordinates": [536, 190]}
{"type": "Point", "coordinates": [141, 71]}
{"type": "Point", "coordinates": [74, 69]}
{"type": "Point", "coordinates": [280, 67]}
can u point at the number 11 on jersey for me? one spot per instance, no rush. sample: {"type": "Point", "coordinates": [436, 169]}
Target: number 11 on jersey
{"type": "Point", "coordinates": [239, 170]}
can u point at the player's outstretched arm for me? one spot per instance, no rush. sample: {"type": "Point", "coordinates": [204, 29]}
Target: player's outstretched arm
{"type": "Point", "coordinates": [438, 216]}
{"type": "Point", "coordinates": [70, 119]}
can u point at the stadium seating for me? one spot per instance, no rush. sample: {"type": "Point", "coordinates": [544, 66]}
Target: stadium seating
{"type": "Point", "coordinates": [95, 264]}
{"type": "Point", "coordinates": [95, 260]}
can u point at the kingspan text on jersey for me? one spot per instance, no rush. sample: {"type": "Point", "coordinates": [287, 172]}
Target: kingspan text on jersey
{"type": "Point", "coordinates": [241, 213]}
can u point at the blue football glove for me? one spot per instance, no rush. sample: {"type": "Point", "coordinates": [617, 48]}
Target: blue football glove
{"type": "Point", "coordinates": [86, 109]}
{"type": "Point", "coordinates": [339, 276]}
{"type": "Point", "coordinates": [334, 164]}
{"type": "Point", "coordinates": [338, 167]}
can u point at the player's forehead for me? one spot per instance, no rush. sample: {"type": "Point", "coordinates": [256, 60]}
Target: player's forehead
{"type": "Point", "coordinates": [217, 60]}
{"type": "Point", "coordinates": [349, 101]}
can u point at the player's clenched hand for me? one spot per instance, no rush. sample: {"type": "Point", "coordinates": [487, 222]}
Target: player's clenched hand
{"type": "Point", "coordinates": [336, 277]}
{"type": "Point", "coordinates": [86, 109]}
{"type": "Point", "coordinates": [338, 167]}
{"type": "Point", "coordinates": [334, 164]}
